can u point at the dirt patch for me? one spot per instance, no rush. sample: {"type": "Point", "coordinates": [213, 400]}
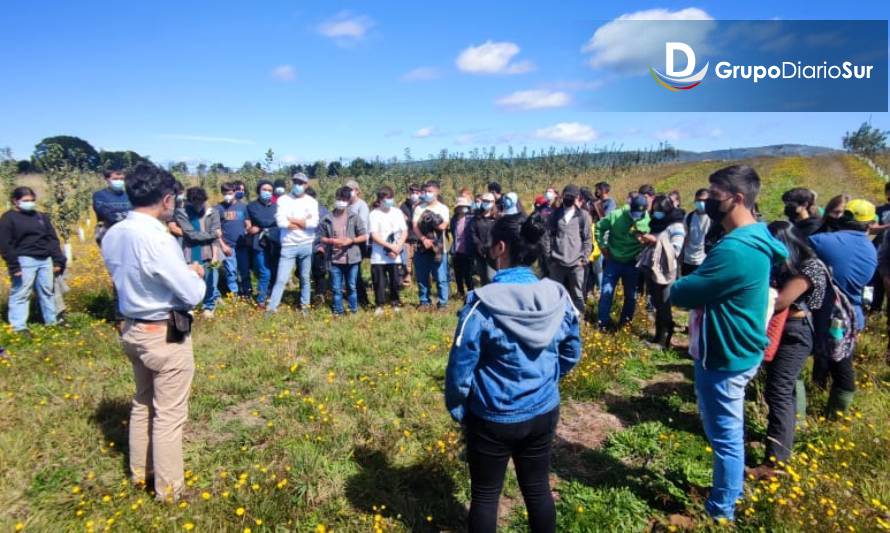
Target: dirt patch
{"type": "Point", "coordinates": [585, 424]}
{"type": "Point", "coordinates": [241, 413]}
{"type": "Point", "coordinates": [665, 384]}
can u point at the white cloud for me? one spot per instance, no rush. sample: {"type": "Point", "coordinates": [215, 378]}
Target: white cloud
{"type": "Point", "coordinates": [534, 99]}
{"type": "Point", "coordinates": [284, 73]}
{"type": "Point", "coordinates": [568, 132]}
{"type": "Point", "coordinates": [630, 48]}
{"type": "Point", "coordinates": [492, 58]}
{"type": "Point", "coordinates": [205, 138]}
{"type": "Point", "coordinates": [422, 74]}
{"type": "Point", "coordinates": [346, 28]}
{"type": "Point", "coordinates": [422, 133]}
{"type": "Point", "coordinates": [670, 134]}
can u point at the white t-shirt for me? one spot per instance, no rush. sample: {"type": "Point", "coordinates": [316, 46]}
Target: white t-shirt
{"type": "Point", "coordinates": [386, 224]}
{"type": "Point", "coordinates": [439, 208]}
{"type": "Point", "coordinates": [305, 207]}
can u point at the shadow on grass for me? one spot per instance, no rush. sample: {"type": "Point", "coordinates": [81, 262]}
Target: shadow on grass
{"type": "Point", "coordinates": [112, 416]}
{"type": "Point", "coordinates": [414, 492]}
{"type": "Point", "coordinates": [653, 405]}
{"type": "Point", "coordinates": [101, 305]}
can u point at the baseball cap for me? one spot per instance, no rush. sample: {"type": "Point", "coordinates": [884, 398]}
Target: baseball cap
{"type": "Point", "coordinates": [299, 176]}
{"type": "Point", "coordinates": [463, 201]}
{"type": "Point", "coordinates": [511, 203]}
{"type": "Point", "coordinates": [638, 207]}
{"type": "Point", "coordinates": [352, 184]}
{"type": "Point", "coordinates": [540, 201]}
{"type": "Point", "coordinates": [861, 210]}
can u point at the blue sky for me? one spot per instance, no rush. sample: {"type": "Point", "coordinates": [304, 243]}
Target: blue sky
{"type": "Point", "coordinates": [225, 80]}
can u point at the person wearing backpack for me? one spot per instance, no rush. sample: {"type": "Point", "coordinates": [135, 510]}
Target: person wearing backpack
{"type": "Point", "coordinates": [698, 224]}
{"type": "Point", "coordinates": [659, 262]}
{"type": "Point", "coordinates": [802, 282]}
{"type": "Point", "coordinates": [852, 259]}
{"type": "Point", "coordinates": [728, 296]}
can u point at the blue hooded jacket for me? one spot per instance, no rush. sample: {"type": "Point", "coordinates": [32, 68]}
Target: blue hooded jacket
{"type": "Point", "coordinates": [515, 339]}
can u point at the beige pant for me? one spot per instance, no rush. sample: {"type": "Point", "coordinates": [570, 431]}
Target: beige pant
{"type": "Point", "coordinates": [163, 372]}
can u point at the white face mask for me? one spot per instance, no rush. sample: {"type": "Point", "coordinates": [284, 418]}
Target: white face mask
{"type": "Point", "coordinates": [340, 204]}
{"type": "Point", "coordinates": [229, 198]}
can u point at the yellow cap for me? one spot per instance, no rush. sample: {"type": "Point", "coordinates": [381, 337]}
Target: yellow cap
{"type": "Point", "coordinates": [861, 210]}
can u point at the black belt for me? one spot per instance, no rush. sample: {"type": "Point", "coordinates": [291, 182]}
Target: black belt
{"type": "Point", "coordinates": [144, 321]}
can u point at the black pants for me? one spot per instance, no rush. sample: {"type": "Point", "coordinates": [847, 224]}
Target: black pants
{"type": "Point", "coordinates": [463, 272]}
{"type": "Point", "coordinates": [386, 277]}
{"type": "Point", "coordinates": [842, 375]}
{"type": "Point", "coordinates": [664, 320]}
{"type": "Point", "coordinates": [489, 447]}
{"type": "Point", "coordinates": [485, 271]}
{"type": "Point", "coordinates": [782, 373]}
{"type": "Point", "coordinates": [319, 274]}
{"type": "Point", "coordinates": [687, 269]}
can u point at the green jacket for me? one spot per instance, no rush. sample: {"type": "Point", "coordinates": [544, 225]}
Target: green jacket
{"type": "Point", "coordinates": [732, 286]}
{"type": "Point", "coordinates": [617, 233]}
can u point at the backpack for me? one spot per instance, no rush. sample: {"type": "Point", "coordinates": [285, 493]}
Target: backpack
{"type": "Point", "coordinates": [834, 324]}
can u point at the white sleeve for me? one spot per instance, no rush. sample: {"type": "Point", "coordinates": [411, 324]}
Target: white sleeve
{"type": "Point", "coordinates": [281, 214]}
{"type": "Point", "coordinates": [162, 260]}
{"type": "Point", "coordinates": [311, 215]}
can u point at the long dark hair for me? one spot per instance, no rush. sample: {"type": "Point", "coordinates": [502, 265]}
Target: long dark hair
{"type": "Point", "coordinates": [523, 236]}
{"type": "Point", "coordinates": [798, 249]}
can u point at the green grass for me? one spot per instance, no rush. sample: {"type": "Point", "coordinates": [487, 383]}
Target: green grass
{"type": "Point", "coordinates": [303, 422]}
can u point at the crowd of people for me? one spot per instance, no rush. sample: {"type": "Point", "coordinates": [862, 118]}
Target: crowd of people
{"type": "Point", "coordinates": [758, 297]}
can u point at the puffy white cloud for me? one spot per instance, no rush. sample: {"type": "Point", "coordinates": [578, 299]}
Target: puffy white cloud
{"type": "Point", "coordinates": [492, 58]}
{"type": "Point", "coordinates": [422, 74]}
{"type": "Point", "coordinates": [568, 132]}
{"type": "Point", "coordinates": [284, 73]}
{"type": "Point", "coordinates": [346, 28]}
{"type": "Point", "coordinates": [422, 133]}
{"type": "Point", "coordinates": [630, 48]}
{"type": "Point", "coordinates": [534, 99]}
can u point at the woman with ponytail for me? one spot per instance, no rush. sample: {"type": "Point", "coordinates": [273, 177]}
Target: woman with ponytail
{"type": "Point", "coordinates": [515, 339]}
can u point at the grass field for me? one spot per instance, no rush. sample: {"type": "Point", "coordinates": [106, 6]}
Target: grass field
{"type": "Point", "coordinates": [310, 424]}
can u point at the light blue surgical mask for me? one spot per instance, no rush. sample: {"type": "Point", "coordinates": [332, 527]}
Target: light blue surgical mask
{"type": "Point", "coordinates": [428, 197]}
{"type": "Point", "coordinates": [27, 205]}
{"type": "Point", "coordinates": [700, 206]}
{"type": "Point", "coordinates": [117, 185]}
{"type": "Point", "coordinates": [297, 189]}
{"type": "Point", "coordinates": [389, 202]}
{"type": "Point", "coordinates": [341, 204]}
{"type": "Point", "coordinates": [265, 195]}
{"type": "Point", "coordinates": [658, 215]}
{"type": "Point", "coordinates": [486, 206]}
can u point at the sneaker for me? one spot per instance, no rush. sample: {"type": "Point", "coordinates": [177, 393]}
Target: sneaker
{"type": "Point", "coordinates": [378, 311]}
{"type": "Point", "coordinates": [398, 309]}
{"type": "Point", "coordinates": [207, 313]}
{"type": "Point", "coordinates": [441, 307]}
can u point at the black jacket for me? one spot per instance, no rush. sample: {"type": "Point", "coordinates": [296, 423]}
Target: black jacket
{"type": "Point", "coordinates": [29, 234]}
{"type": "Point", "coordinates": [480, 231]}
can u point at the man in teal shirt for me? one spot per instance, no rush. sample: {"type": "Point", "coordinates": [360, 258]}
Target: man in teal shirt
{"type": "Point", "coordinates": [618, 236]}
{"type": "Point", "coordinates": [729, 295]}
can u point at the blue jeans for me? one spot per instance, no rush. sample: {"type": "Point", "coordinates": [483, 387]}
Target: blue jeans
{"type": "Point", "coordinates": [344, 275]}
{"type": "Point", "coordinates": [237, 271]}
{"type": "Point", "coordinates": [721, 404]}
{"type": "Point", "coordinates": [289, 257]}
{"type": "Point", "coordinates": [262, 265]}
{"type": "Point", "coordinates": [211, 282]}
{"type": "Point", "coordinates": [612, 272]}
{"type": "Point", "coordinates": [35, 273]}
{"type": "Point", "coordinates": [425, 266]}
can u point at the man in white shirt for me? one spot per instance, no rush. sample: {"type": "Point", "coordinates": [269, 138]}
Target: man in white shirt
{"type": "Point", "coordinates": [388, 234]}
{"type": "Point", "coordinates": [297, 217]}
{"type": "Point", "coordinates": [153, 282]}
{"type": "Point", "coordinates": [430, 259]}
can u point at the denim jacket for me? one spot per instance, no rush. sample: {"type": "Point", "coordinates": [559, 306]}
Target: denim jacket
{"type": "Point", "coordinates": [515, 339]}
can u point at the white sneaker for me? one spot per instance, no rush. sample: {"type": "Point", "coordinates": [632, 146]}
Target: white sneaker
{"type": "Point", "coordinates": [207, 313]}
{"type": "Point", "coordinates": [378, 311]}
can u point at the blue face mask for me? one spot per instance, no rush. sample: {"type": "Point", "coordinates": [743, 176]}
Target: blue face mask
{"type": "Point", "coordinates": [117, 185]}
{"type": "Point", "coordinates": [658, 215]}
{"type": "Point", "coordinates": [239, 195]}
{"type": "Point", "coordinates": [428, 197]}
{"type": "Point", "coordinates": [27, 205]}
{"type": "Point", "coordinates": [265, 195]}
{"type": "Point", "coordinates": [486, 206]}
{"type": "Point", "coordinates": [700, 206]}
{"type": "Point", "coordinates": [297, 189]}
{"type": "Point", "coordinates": [389, 202]}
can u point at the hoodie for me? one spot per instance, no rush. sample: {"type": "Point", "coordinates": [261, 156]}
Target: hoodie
{"type": "Point", "coordinates": [515, 339]}
{"type": "Point", "coordinates": [731, 287]}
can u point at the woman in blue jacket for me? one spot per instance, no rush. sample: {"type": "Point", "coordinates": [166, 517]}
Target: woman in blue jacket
{"type": "Point", "coordinates": [515, 339]}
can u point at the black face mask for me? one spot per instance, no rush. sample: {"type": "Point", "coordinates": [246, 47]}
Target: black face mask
{"type": "Point", "coordinates": [712, 209]}
{"type": "Point", "coordinates": [791, 211]}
